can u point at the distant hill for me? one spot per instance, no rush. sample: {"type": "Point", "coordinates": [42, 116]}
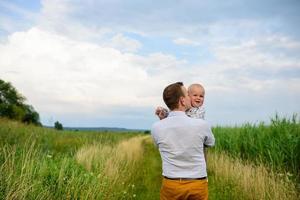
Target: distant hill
{"type": "Point", "coordinates": [111, 129]}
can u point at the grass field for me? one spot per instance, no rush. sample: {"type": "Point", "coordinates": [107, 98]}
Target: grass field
{"type": "Point", "coordinates": [248, 162]}
{"type": "Point", "coordinates": [276, 145]}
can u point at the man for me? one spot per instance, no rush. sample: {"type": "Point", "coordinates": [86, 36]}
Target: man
{"type": "Point", "coordinates": [180, 140]}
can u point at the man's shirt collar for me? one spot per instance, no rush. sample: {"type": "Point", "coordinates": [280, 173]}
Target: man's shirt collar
{"type": "Point", "coordinates": [176, 113]}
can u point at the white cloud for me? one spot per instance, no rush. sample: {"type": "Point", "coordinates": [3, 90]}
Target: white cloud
{"type": "Point", "coordinates": [185, 41]}
{"type": "Point", "coordinates": [281, 41]}
{"type": "Point", "coordinates": [56, 9]}
{"type": "Point", "coordinates": [160, 62]}
{"type": "Point", "coordinates": [61, 75]}
{"type": "Point", "coordinates": [59, 17]}
{"type": "Point", "coordinates": [254, 65]}
{"type": "Point", "coordinates": [259, 53]}
{"type": "Point", "coordinates": [123, 43]}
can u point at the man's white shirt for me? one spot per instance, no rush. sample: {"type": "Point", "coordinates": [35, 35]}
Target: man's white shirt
{"type": "Point", "coordinates": [180, 140]}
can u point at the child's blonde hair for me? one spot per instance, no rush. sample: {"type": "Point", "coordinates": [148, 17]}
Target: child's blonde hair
{"type": "Point", "coordinates": [195, 85]}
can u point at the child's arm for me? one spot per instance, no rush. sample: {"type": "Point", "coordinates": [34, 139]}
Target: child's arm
{"type": "Point", "coordinates": [161, 112]}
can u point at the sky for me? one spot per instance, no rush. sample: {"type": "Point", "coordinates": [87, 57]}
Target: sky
{"type": "Point", "coordinates": [98, 63]}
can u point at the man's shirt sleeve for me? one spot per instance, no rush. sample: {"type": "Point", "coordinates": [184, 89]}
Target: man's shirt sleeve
{"type": "Point", "coordinates": [153, 133]}
{"type": "Point", "coordinates": [209, 139]}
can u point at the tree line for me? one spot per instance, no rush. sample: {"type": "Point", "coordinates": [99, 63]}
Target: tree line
{"type": "Point", "coordinates": [13, 106]}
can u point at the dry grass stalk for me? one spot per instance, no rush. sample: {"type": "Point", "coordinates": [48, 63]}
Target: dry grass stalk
{"type": "Point", "coordinates": [255, 181]}
{"type": "Point", "coordinates": [109, 160]}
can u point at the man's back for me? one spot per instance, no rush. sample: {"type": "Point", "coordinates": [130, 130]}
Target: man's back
{"type": "Point", "coordinates": [180, 140]}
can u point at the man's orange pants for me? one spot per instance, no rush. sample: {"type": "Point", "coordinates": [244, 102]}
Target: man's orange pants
{"type": "Point", "coordinates": [184, 189]}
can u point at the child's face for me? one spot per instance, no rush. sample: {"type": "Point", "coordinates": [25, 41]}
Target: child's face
{"type": "Point", "coordinates": [196, 94]}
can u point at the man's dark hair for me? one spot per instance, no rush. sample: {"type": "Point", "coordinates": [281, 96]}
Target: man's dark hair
{"type": "Point", "coordinates": [172, 94]}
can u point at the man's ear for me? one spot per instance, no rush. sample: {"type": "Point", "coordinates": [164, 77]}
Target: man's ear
{"type": "Point", "coordinates": [182, 101]}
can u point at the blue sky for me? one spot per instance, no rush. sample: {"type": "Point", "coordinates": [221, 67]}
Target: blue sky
{"type": "Point", "coordinates": [106, 63]}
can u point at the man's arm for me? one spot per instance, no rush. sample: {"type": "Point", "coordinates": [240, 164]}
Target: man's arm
{"type": "Point", "coordinates": [209, 140]}
{"type": "Point", "coordinates": [205, 150]}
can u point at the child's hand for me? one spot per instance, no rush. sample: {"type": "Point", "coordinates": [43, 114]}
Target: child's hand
{"type": "Point", "coordinates": [161, 112]}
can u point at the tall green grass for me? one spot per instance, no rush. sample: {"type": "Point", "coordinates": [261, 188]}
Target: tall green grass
{"type": "Point", "coordinates": [276, 145]}
{"type": "Point", "coordinates": [53, 141]}
{"type": "Point", "coordinates": [40, 163]}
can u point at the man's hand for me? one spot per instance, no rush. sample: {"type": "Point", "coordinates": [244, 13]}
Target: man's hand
{"type": "Point", "coordinates": [161, 112]}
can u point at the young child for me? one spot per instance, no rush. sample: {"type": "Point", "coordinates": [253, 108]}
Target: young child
{"type": "Point", "coordinates": [196, 93]}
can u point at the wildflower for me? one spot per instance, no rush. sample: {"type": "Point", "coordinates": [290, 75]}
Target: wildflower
{"type": "Point", "coordinates": [132, 185]}
{"type": "Point", "coordinates": [280, 174]}
{"type": "Point", "coordinates": [134, 195]}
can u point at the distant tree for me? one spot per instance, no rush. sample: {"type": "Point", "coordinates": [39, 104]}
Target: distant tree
{"type": "Point", "coordinates": [147, 132]}
{"type": "Point", "coordinates": [12, 105]}
{"type": "Point", "coordinates": [58, 125]}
